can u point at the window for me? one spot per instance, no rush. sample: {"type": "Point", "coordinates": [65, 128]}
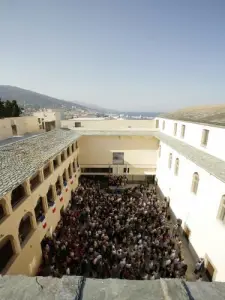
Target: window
{"type": "Point", "coordinates": [163, 125]}
{"type": "Point", "coordinates": [65, 177]}
{"type": "Point", "coordinates": [39, 120]}
{"type": "Point", "coordinates": [205, 137]}
{"type": "Point", "coordinates": [47, 171]}
{"type": "Point", "coordinates": [159, 150]}
{"type": "Point", "coordinates": [25, 228]}
{"type": "Point", "coordinates": [222, 209]}
{"type": "Point", "coordinates": [118, 158]}
{"type": "Point", "coordinates": [170, 161]}
{"type": "Point", "coordinates": [55, 163]}
{"type": "Point", "coordinates": [74, 166]}
{"type": "Point", "coordinates": [175, 129]}
{"type": "Point", "coordinates": [59, 186]}
{"type": "Point", "coordinates": [18, 194]}
{"type": "Point", "coordinates": [70, 171]}
{"type": "Point", "coordinates": [176, 168]}
{"type": "Point", "coordinates": [39, 210]}
{"type": "Point", "coordinates": [126, 170]}
{"type": "Point", "coordinates": [63, 158]}
{"type": "Point", "coordinates": [35, 181]}
{"type": "Point", "coordinates": [68, 151]}
{"type": "Point", "coordinates": [157, 123]}
{"type": "Point", "coordinates": [50, 196]}
{"type": "Point", "coordinates": [182, 131]}
{"type": "Point", "coordinates": [77, 124]}
{"type": "Point", "coordinates": [6, 251]}
{"type": "Point", "coordinates": [73, 148]}
{"type": "Point", "coordinates": [195, 183]}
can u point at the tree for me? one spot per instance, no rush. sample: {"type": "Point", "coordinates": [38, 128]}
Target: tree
{"type": "Point", "coordinates": [9, 109]}
{"type": "Point", "coordinates": [16, 110]}
{"type": "Point", "coordinates": [2, 109]}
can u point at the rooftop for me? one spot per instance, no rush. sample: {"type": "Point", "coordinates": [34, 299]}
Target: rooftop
{"type": "Point", "coordinates": [210, 114]}
{"type": "Point", "coordinates": [209, 163]}
{"type": "Point", "coordinates": [73, 288]}
{"type": "Point", "coordinates": [22, 159]}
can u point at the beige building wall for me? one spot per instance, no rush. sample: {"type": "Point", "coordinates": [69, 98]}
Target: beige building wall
{"type": "Point", "coordinates": [23, 125]}
{"type": "Point", "coordinates": [5, 129]}
{"type": "Point", "coordinates": [140, 153]}
{"type": "Point", "coordinates": [108, 124]}
{"type": "Point", "coordinates": [28, 258]}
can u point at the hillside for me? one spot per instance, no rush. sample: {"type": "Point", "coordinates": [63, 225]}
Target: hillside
{"type": "Point", "coordinates": [29, 98]}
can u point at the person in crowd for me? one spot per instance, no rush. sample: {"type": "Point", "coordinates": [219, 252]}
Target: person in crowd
{"type": "Point", "coordinates": [124, 236]}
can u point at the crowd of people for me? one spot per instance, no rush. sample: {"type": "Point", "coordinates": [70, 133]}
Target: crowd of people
{"type": "Point", "coordinates": [118, 181]}
{"type": "Point", "coordinates": [125, 236]}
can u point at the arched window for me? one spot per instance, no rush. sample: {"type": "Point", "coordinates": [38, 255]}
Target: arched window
{"type": "Point", "coordinates": [176, 167]}
{"type": "Point", "coordinates": [7, 251]}
{"type": "Point", "coordinates": [39, 210]}
{"type": "Point", "coordinates": [50, 196]}
{"type": "Point", "coordinates": [222, 209]}
{"type": "Point", "coordinates": [195, 183]}
{"type": "Point", "coordinates": [170, 161]}
{"type": "Point", "coordinates": [159, 150]}
{"type": "Point", "coordinates": [25, 228]}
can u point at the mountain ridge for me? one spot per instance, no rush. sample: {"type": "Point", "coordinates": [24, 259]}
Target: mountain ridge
{"type": "Point", "coordinates": [31, 98]}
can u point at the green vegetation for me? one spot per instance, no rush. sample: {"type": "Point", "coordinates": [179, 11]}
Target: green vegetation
{"type": "Point", "coordinates": [9, 109]}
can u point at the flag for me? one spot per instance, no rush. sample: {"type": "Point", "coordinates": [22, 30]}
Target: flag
{"type": "Point", "coordinates": [60, 197]}
{"type": "Point", "coordinates": [43, 221]}
{"type": "Point", "coordinates": [54, 208]}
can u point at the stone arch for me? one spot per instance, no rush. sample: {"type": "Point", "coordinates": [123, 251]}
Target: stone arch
{"type": "Point", "coordinates": [26, 226]}
{"type": "Point", "coordinates": [4, 208]}
{"type": "Point", "coordinates": [7, 251]}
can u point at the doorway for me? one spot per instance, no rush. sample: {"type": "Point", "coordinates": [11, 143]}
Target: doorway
{"type": "Point", "coordinates": [209, 270]}
{"type": "Point", "coordinates": [14, 130]}
{"type": "Point", "coordinates": [150, 179]}
{"type": "Point", "coordinates": [187, 232]}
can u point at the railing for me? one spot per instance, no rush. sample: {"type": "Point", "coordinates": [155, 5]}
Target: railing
{"type": "Point", "coordinates": [117, 169]}
{"type": "Point", "coordinates": [142, 166]}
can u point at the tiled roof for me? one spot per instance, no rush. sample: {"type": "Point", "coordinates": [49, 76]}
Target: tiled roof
{"type": "Point", "coordinates": [210, 114]}
{"type": "Point", "coordinates": [21, 159]}
{"type": "Point", "coordinates": [209, 163]}
{"type": "Point", "coordinates": [73, 287]}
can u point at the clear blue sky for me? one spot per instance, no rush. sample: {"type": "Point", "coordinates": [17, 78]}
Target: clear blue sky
{"type": "Point", "coordinates": [125, 54]}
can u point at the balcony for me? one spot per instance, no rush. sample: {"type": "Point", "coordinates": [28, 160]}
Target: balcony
{"type": "Point", "coordinates": [129, 169]}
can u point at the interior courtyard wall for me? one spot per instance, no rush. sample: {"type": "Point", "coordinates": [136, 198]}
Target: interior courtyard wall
{"type": "Point", "coordinates": [199, 212]}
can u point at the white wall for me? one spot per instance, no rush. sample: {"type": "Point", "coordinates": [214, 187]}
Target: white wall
{"type": "Point", "coordinates": [139, 152]}
{"type": "Point", "coordinates": [193, 136]}
{"type": "Point", "coordinates": [199, 211]}
{"type": "Point", "coordinates": [109, 124]}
